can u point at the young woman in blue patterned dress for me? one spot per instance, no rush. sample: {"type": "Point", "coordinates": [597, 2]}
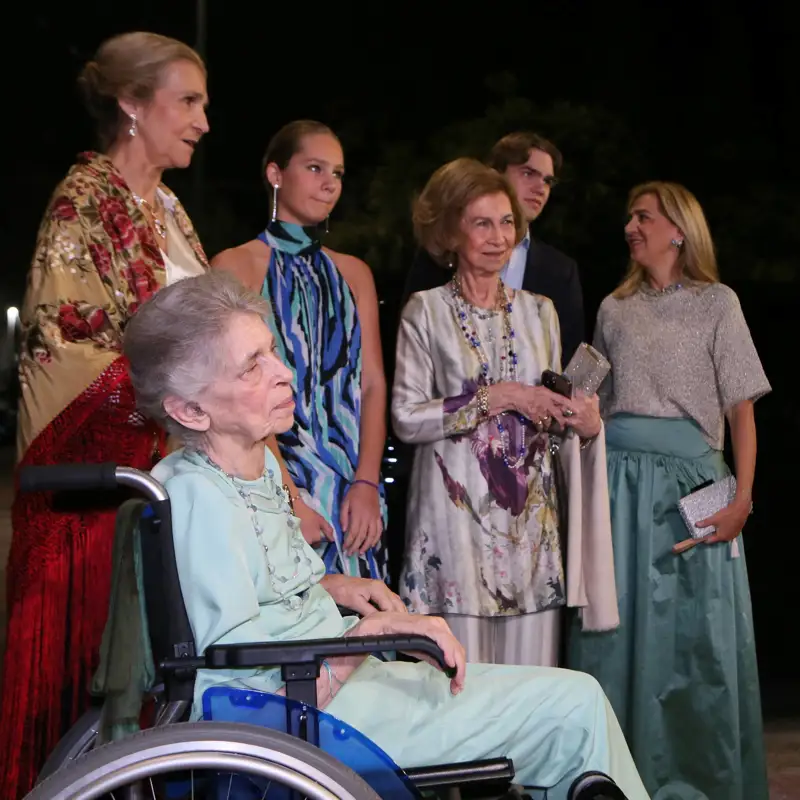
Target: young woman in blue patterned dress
{"type": "Point", "coordinates": [325, 325]}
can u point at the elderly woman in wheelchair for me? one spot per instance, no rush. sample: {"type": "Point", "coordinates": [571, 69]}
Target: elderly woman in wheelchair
{"type": "Point", "coordinates": [203, 365]}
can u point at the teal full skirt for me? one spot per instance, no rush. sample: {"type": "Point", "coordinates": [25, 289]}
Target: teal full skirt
{"type": "Point", "coordinates": [680, 671]}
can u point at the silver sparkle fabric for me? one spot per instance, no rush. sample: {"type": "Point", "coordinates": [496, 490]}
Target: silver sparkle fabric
{"type": "Point", "coordinates": [704, 503]}
{"type": "Point", "coordinates": [688, 353]}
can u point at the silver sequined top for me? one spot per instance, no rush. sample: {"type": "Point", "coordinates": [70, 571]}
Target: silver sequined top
{"type": "Point", "coordinates": [687, 353]}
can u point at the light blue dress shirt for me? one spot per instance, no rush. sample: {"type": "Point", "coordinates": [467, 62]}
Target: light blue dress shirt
{"type": "Point", "coordinates": [514, 272]}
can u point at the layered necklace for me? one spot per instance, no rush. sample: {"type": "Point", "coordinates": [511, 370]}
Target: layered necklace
{"type": "Point", "coordinates": [467, 314]}
{"type": "Point", "coordinates": [300, 555]}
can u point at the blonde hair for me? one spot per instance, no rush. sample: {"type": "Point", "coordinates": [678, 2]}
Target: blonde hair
{"type": "Point", "coordinates": [696, 258]}
{"type": "Point", "coordinates": [129, 65]}
{"type": "Point", "coordinates": [438, 211]}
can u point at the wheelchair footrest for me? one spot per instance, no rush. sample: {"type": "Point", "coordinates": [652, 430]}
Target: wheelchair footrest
{"type": "Point", "coordinates": [492, 770]}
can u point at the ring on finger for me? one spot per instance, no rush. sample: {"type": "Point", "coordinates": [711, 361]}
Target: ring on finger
{"type": "Point", "coordinates": [568, 412]}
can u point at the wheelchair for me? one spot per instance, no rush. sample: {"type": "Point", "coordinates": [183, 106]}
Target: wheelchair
{"type": "Point", "coordinates": [306, 752]}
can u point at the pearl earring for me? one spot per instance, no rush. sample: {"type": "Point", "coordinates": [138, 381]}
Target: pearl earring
{"type": "Point", "coordinates": [132, 129]}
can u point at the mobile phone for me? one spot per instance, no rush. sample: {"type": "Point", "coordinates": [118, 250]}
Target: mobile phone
{"type": "Point", "coordinates": [560, 384]}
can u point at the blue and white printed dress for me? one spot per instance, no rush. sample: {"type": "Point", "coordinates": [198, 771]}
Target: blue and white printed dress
{"type": "Point", "coordinates": [317, 329]}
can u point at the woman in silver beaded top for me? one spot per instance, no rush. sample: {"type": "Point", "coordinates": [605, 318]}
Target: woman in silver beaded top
{"type": "Point", "coordinates": [482, 537]}
{"type": "Point", "coordinates": [681, 669]}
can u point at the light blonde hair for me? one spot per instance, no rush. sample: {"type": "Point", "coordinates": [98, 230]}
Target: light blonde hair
{"type": "Point", "coordinates": [438, 211]}
{"type": "Point", "coordinates": [696, 258]}
{"type": "Point", "coordinates": [129, 65]}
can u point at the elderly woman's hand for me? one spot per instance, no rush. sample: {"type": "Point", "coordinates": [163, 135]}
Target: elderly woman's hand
{"type": "Point", "coordinates": [361, 518]}
{"type": "Point", "coordinates": [540, 406]}
{"type": "Point", "coordinates": [388, 623]}
{"type": "Point", "coordinates": [362, 595]}
{"type": "Point", "coordinates": [581, 413]}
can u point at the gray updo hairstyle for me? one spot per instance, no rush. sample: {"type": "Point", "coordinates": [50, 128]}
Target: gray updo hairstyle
{"type": "Point", "coordinates": [173, 342]}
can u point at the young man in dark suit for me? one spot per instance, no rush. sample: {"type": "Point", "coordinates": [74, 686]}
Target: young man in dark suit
{"type": "Point", "coordinates": [531, 164]}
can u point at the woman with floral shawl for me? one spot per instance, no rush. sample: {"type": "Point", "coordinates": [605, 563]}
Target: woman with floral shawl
{"type": "Point", "coordinates": [110, 238]}
{"type": "Point", "coordinates": [484, 530]}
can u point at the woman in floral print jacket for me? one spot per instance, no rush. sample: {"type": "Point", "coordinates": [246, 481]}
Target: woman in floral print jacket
{"type": "Point", "coordinates": [111, 237]}
{"type": "Point", "coordinates": [485, 539]}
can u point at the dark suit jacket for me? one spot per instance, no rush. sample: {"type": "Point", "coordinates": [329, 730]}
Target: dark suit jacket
{"type": "Point", "coordinates": [547, 271]}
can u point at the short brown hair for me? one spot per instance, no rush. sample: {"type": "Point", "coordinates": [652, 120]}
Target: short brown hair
{"type": "Point", "coordinates": [288, 141]}
{"type": "Point", "coordinates": [515, 149]}
{"type": "Point", "coordinates": [438, 211]}
{"type": "Point", "coordinates": [128, 65]}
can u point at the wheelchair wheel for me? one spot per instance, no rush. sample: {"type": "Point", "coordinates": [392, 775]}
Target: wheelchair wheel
{"type": "Point", "coordinates": [186, 747]}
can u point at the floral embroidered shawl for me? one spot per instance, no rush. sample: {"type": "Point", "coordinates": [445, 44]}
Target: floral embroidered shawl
{"type": "Point", "coordinates": [96, 261]}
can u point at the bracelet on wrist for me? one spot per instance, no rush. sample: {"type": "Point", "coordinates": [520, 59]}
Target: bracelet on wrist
{"type": "Point", "coordinates": [483, 401]}
{"type": "Point", "coordinates": [366, 483]}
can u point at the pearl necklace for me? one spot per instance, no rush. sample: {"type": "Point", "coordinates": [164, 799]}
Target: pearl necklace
{"type": "Point", "coordinates": [293, 602]}
{"type": "Point", "coordinates": [508, 361]}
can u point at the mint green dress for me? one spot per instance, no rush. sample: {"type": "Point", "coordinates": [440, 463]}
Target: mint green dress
{"type": "Point", "coordinates": [681, 670]}
{"type": "Point", "coordinates": [247, 575]}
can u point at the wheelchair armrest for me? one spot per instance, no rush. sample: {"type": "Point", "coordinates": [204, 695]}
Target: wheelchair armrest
{"type": "Point", "coordinates": [489, 771]}
{"type": "Point", "coordinates": [312, 652]}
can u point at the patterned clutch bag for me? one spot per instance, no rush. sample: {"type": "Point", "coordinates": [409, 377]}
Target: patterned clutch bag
{"type": "Point", "coordinates": [704, 502]}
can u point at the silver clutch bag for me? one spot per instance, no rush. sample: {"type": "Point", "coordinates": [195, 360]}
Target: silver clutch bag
{"type": "Point", "coordinates": [703, 503]}
{"type": "Point", "coordinates": [587, 369]}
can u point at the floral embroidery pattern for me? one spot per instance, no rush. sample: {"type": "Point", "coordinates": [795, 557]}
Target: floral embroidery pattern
{"type": "Point", "coordinates": [96, 261]}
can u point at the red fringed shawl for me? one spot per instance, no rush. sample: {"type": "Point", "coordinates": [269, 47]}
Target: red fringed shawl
{"type": "Point", "coordinates": [96, 261]}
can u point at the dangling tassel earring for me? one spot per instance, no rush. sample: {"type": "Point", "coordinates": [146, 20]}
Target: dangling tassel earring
{"type": "Point", "coordinates": [132, 129]}
{"type": "Point", "coordinates": [274, 202]}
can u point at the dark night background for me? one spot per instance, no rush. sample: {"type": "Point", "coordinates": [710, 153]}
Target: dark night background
{"type": "Point", "coordinates": [704, 93]}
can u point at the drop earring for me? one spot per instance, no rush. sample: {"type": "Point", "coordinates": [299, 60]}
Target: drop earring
{"type": "Point", "coordinates": [274, 202]}
{"type": "Point", "coordinates": [132, 129]}
{"type": "Point", "coordinates": [327, 224]}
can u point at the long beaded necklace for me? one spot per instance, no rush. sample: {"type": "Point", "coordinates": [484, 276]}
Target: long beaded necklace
{"type": "Point", "coordinates": [293, 602]}
{"type": "Point", "coordinates": [508, 360]}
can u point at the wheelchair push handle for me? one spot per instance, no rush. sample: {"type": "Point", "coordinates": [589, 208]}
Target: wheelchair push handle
{"type": "Point", "coordinates": [60, 477]}
{"type": "Point", "coordinates": [82, 477]}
